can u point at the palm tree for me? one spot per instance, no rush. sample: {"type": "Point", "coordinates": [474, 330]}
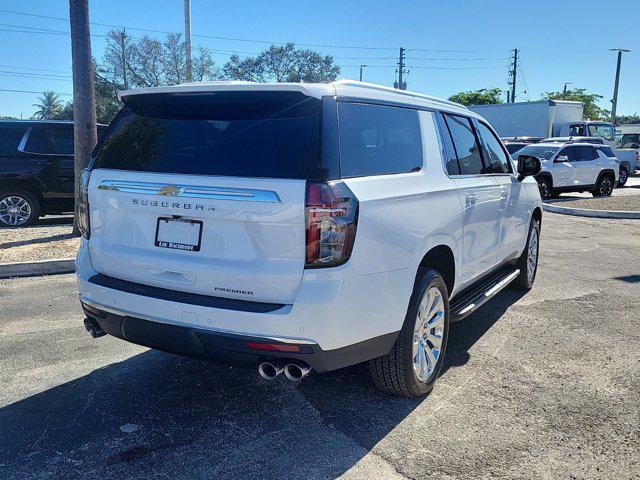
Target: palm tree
{"type": "Point", "coordinates": [49, 106]}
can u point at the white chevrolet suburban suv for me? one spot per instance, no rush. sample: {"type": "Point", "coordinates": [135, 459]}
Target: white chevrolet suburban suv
{"type": "Point", "coordinates": [574, 167]}
{"type": "Point", "coordinates": [301, 227]}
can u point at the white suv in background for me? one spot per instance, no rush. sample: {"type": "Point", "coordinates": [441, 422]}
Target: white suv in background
{"type": "Point", "coordinates": [300, 227]}
{"type": "Point", "coordinates": [574, 167]}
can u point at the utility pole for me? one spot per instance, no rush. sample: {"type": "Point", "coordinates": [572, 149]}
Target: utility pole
{"type": "Point", "coordinates": [84, 100]}
{"type": "Point", "coordinates": [361, 70]}
{"type": "Point", "coordinates": [400, 84]}
{"type": "Point", "coordinates": [564, 90]}
{"type": "Point", "coordinates": [513, 73]}
{"type": "Point", "coordinates": [123, 35]}
{"type": "Point", "coordinates": [614, 102]}
{"type": "Point", "coordinates": [187, 38]}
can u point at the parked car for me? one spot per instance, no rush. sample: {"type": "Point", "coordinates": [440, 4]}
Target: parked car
{"type": "Point", "coordinates": [574, 167]}
{"type": "Point", "coordinates": [513, 147]}
{"type": "Point", "coordinates": [36, 169]}
{"type": "Point", "coordinates": [626, 166]}
{"type": "Point", "coordinates": [299, 227]}
{"type": "Point", "coordinates": [523, 139]}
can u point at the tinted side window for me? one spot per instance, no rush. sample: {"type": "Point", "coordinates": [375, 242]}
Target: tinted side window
{"type": "Point", "coordinates": [569, 153]}
{"type": "Point", "coordinates": [61, 140]}
{"type": "Point", "coordinates": [37, 141]}
{"type": "Point", "coordinates": [448, 151]}
{"type": "Point", "coordinates": [584, 153]}
{"type": "Point", "coordinates": [465, 144]}
{"type": "Point", "coordinates": [607, 151]}
{"type": "Point", "coordinates": [494, 156]}
{"type": "Point", "coordinates": [378, 140]}
{"type": "Point", "coordinates": [10, 137]}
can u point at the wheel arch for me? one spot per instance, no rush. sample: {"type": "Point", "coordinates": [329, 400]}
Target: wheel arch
{"type": "Point", "coordinates": [442, 259]}
{"type": "Point", "coordinates": [546, 176]}
{"type": "Point", "coordinates": [30, 186]}
{"type": "Point", "coordinates": [607, 171]}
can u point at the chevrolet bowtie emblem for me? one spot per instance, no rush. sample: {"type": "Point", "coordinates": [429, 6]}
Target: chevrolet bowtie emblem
{"type": "Point", "coordinates": [170, 191]}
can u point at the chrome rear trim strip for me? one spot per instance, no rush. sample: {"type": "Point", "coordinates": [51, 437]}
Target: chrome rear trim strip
{"type": "Point", "coordinates": [190, 191]}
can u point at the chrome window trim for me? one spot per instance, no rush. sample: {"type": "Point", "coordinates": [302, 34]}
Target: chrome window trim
{"type": "Point", "coordinates": [190, 191]}
{"type": "Point", "coordinates": [23, 142]}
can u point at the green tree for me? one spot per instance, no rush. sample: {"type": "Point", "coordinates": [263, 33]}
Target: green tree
{"type": "Point", "coordinates": [150, 62]}
{"type": "Point", "coordinates": [625, 119]}
{"type": "Point", "coordinates": [49, 106]}
{"type": "Point", "coordinates": [482, 96]}
{"type": "Point", "coordinates": [283, 63]}
{"type": "Point", "coordinates": [589, 100]}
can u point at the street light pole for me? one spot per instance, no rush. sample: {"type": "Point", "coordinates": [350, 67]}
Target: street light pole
{"type": "Point", "coordinates": [614, 101]}
{"type": "Point", "coordinates": [361, 70]}
{"type": "Point", "coordinates": [564, 90]}
{"type": "Point", "coordinates": [187, 39]}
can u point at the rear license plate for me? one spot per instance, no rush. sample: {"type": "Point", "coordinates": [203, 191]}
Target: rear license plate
{"type": "Point", "coordinates": [179, 234]}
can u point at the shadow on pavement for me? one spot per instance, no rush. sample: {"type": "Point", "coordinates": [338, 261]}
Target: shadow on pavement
{"type": "Point", "coordinates": [34, 241]}
{"type": "Point", "coordinates": [162, 416]}
{"type": "Point", "coordinates": [55, 220]}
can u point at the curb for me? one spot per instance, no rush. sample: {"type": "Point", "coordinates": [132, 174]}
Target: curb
{"type": "Point", "coordinates": [34, 269]}
{"type": "Point", "coordinates": [584, 212]}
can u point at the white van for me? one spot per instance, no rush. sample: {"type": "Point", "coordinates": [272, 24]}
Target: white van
{"type": "Point", "coordinates": [301, 227]}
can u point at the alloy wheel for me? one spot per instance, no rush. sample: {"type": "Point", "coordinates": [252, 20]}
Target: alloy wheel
{"type": "Point", "coordinates": [606, 187]}
{"type": "Point", "coordinates": [623, 176]}
{"type": "Point", "coordinates": [544, 190]}
{"type": "Point", "coordinates": [428, 334]}
{"type": "Point", "coordinates": [14, 211]}
{"type": "Point", "coordinates": [532, 255]}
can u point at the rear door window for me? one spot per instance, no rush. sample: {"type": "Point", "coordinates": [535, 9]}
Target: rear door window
{"type": "Point", "coordinates": [37, 141]}
{"type": "Point", "coordinates": [448, 150]}
{"type": "Point", "coordinates": [239, 134]}
{"type": "Point", "coordinates": [466, 144]}
{"type": "Point", "coordinates": [378, 140]}
{"type": "Point", "coordinates": [607, 151]}
{"type": "Point", "coordinates": [494, 154]}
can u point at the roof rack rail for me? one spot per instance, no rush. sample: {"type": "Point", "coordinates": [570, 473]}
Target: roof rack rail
{"type": "Point", "coordinates": [373, 86]}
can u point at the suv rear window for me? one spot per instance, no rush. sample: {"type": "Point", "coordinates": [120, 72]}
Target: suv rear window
{"type": "Point", "coordinates": [239, 134]}
{"type": "Point", "coordinates": [378, 140]}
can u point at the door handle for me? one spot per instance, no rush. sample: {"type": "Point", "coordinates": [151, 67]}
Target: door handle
{"type": "Point", "coordinates": [470, 199]}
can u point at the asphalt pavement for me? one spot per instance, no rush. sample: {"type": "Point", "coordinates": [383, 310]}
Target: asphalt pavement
{"type": "Point", "coordinates": [541, 385]}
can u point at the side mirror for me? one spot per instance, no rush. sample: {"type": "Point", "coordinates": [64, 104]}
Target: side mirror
{"type": "Point", "coordinates": [528, 166]}
{"type": "Point", "coordinates": [561, 159]}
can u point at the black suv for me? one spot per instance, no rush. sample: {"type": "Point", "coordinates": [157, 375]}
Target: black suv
{"type": "Point", "coordinates": [36, 169]}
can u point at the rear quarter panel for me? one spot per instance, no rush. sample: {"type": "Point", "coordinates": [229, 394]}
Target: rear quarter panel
{"type": "Point", "coordinates": [403, 216]}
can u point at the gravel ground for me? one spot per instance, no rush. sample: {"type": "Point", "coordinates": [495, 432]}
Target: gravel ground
{"type": "Point", "coordinates": [629, 203]}
{"type": "Point", "coordinates": [543, 385]}
{"type": "Point", "coordinates": [50, 238]}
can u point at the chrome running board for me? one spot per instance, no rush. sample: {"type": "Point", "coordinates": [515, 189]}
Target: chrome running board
{"type": "Point", "coordinates": [472, 298]}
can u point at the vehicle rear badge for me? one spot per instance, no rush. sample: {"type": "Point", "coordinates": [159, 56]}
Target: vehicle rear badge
{"type": "Point", "coordinates": [170, 191]}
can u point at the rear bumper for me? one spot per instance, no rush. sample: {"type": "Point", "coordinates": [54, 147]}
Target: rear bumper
{"type": "Point", "coordinates": [228, 348]}
{"type": "Point", "coordinates": [344, 318]}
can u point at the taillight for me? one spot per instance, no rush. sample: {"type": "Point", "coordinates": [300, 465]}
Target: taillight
{"type": "Point", "coordinates": [332, 216]}
{"type": "Point", "coordinates": [82, 207]}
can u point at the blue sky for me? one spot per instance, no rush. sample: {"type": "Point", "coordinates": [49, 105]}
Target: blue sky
{"type": "Point", "coordinates": [559, 41]}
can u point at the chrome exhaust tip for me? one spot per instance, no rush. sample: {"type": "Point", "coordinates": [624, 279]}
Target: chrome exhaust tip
{"type": "Point", "coordinates": [270, 370]}
{"type": "Point", "coordinates": [296, 371]}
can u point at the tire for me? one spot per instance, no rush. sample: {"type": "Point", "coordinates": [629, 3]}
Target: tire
{"type": "Point", "coordinates": [624, 176]}
{"type": "Point", "coordinates": [395, 372]}
{"type": "Point", "coordinates": [604, 187]}
{"type": "Point", "coordinates": [28, 208]}
{"type": "Point", "coordinates": [524, 281]}
{"type": "Point", "coordinates": [544, 185]}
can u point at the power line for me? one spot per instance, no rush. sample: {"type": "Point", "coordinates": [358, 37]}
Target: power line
{"type": "Point", "coordinates": [30, 91]}
{"type": "Point", "coordinates": [37, 69]}
{"type": "Point", "coordinates": [237, 39]}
